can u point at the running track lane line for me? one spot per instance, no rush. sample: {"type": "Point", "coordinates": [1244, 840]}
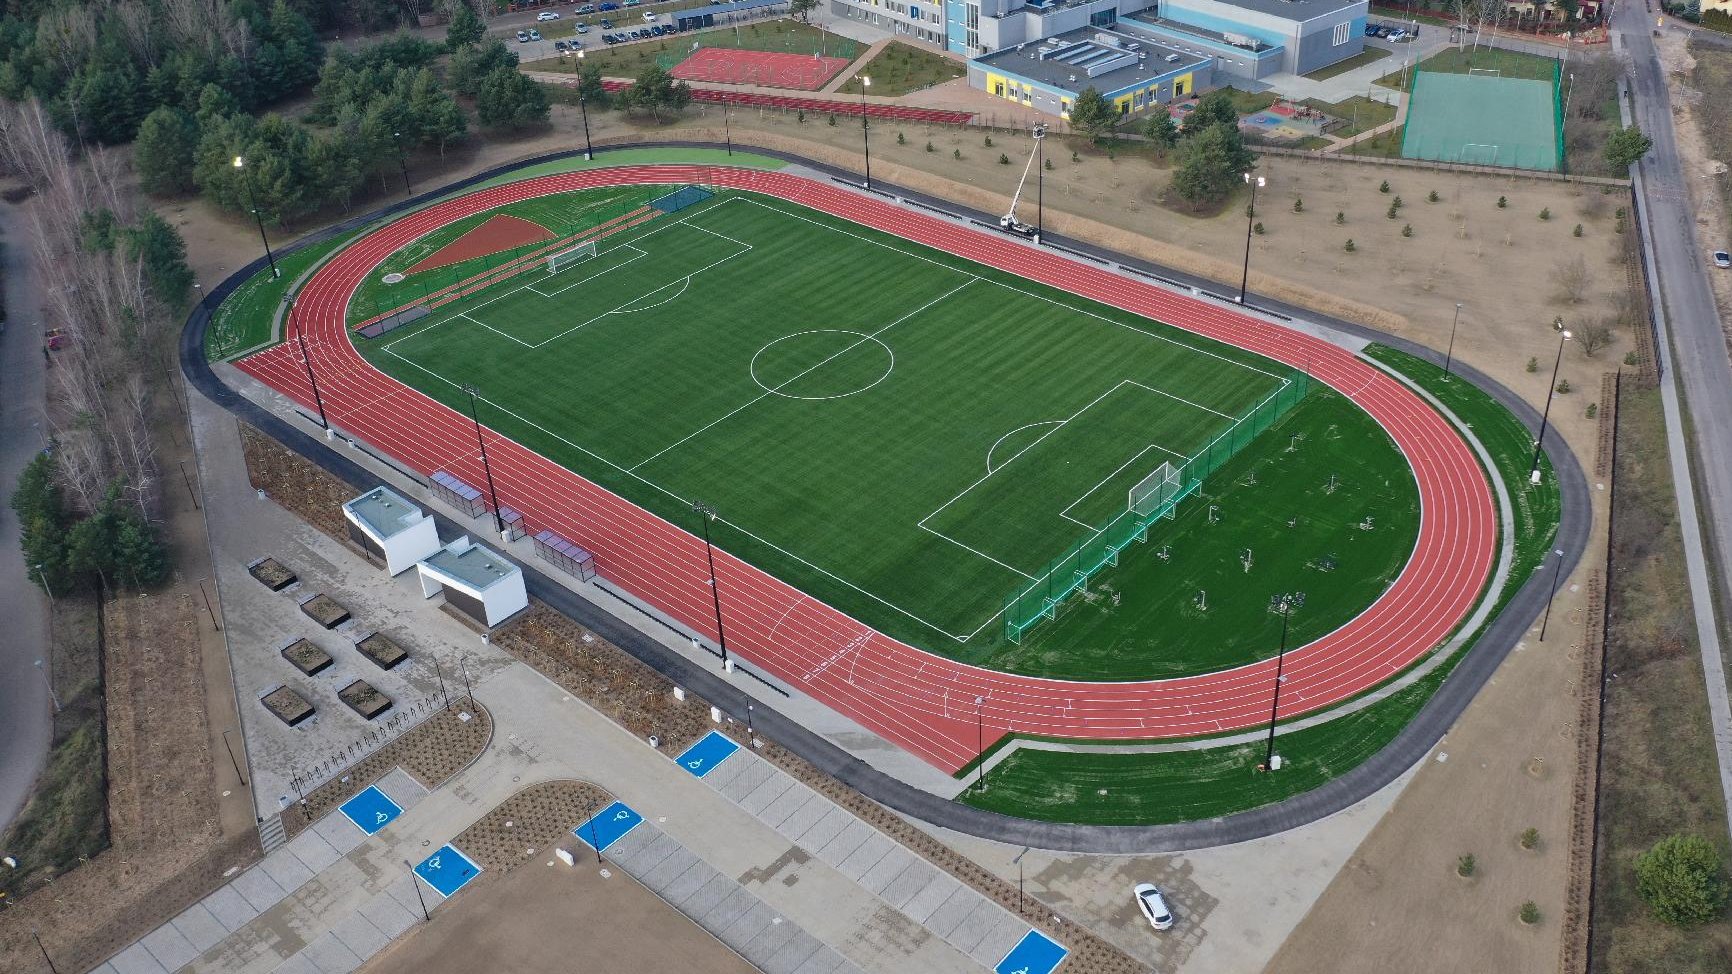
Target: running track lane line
{"type": "Point", "coordinates": [919, 700]}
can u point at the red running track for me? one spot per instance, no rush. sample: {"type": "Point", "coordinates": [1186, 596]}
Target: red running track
{"type": "Point", "coordinates": [897, 113]}
{"type": "Point", "coordinates": [921, 701]}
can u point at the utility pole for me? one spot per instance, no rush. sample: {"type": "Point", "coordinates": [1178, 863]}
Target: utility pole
{"type": "Point", "coordinates": [1250, 217]}
{"type": "Point", "coordinates": [1280, 665]}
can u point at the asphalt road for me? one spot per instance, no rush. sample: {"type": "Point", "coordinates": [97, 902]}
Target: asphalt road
{"type": "Point", "coordinates": [1698, 354]}
{"type": "Point", "coordinates": [24, 707]}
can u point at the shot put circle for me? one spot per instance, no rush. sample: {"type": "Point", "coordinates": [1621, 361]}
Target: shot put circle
{"type": "Point", "coordinates": [828, 344]}
{"type": "Point", "coordinates": [392, 278]}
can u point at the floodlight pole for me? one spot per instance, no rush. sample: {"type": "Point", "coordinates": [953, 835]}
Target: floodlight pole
{"type": "Point", "coordinates": [1551, 393]}
{"type": "Point", "coordinates": [1557, 571]}
{"type": "Point", "coordinates": [402, 162]}
{"type": "Point", "coordinates": [583, 104]}
{"type": "Point", "coordinates": [1275, 701]}
{"type": "Point", "coordinates": [979, 744]}
{"type": "Point", "coordinates": [486, 468]}
{"type": "Point", "coordinates": [307, 363]}
{"type": "Point", "coordinates": [38, 938]}
{"type": "Point", "coordinates": [705, 513]}
{"type": "Point", "coordinates": [594, 833]}
{"type": "Point", "coordinates": [241, 163]}
{"type": "Point", "coordinates": [1250, 216]}
{"type": "Point", "coordinates": [865, 136]}
{"type": "Point", "coordinates": [727, 126]}
{"type": "Point", "coordinates": [425, 916]}
{"type": "Point", "coordinates": [1449, 356]}
{"type": "Point", "coordinates": [1039, 180]}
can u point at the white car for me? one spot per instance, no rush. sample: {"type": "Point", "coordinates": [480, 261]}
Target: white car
{"type": "Point", "coordinates": [1153, 906]}
{"type": "Point", "coordinates": [1722, 259]}
{"type": "Point", "coordinates": [649, 17]}
{"type": "Point", "coordinates": [546, 15]}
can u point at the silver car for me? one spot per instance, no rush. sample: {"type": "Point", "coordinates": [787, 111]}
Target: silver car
{"type": "Point", "coordinates": [1153, 906]}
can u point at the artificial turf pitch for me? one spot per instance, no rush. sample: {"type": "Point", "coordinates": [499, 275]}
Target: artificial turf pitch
{"type": "Point", "coordinates": [903, 434]}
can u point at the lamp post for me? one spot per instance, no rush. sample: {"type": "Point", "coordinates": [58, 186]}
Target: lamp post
{"type": "Point", "coordinates": [425, 916]}
{"type": "Point", "coordinates": [583, 105]}
{"type": "Point", "coordinates": [1551, 392]}
{"type": "Point", "coordinates": [706, 513]}
{"type": "Point", "coordinates": [38, 938]}
{"type": "Point", "coordinates": [1280, 666]}
{"type": "Point", "coordinates": [486, 468]}
{"type": "Point", "coordinates": [196, 286]}
{"type": "Point", "coordinates": [42, 576]}
{"type": "Point", "coordinates": [1557, 571]}
{"type": "Point", "coordinates": [1039, 179]}
{"type": "Point", "coordinates": [1449, 357]}
{"type": "Point", "coordinates": [1250, 215]}
{"type": "Point", "coordinates": [241, 163]}
{"type": "Point", "coordinates": [50, 685]}
{"type": "Point", "coordinates": [865, 138]}
{"type": "Point", "coordinates": [727, 125]}
{"type": "Point", "coordinates": [468, 688]}
{"type": "Point", "coordinates": [402, 162]}
{"type": "Point", "coordinates": [307, 363]}
{"type": "Point", "coordinates": [979, 744]}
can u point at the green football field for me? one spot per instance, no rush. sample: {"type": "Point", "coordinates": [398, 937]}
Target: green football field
{"type": "Point", "coordinates": [914, 438]}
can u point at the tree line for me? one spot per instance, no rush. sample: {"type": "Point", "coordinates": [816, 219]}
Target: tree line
{"type": "Point", "coordinates": [1213, 157]}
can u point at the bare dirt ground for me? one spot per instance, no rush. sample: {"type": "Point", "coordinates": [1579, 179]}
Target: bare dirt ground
{"type": "Point", "coordinates": [1701, 83]}
{"type": "Point", "coordinates": [550, 919]}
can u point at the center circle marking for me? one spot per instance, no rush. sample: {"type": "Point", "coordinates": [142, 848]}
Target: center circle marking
{"type": "Point", "coordinates": [889, 364]}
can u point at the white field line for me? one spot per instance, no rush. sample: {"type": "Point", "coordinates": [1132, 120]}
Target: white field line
{"type": "Point", "coordinates": [636, 255]}
{"type": "Point", "coordinates": [1104, 480]}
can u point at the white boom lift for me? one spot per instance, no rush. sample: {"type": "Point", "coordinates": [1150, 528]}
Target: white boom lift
{"type": "Point", "coordinates": [1008, 222]}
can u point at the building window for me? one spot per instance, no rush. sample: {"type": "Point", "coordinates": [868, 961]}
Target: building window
{"type": "Point", "coordinates": [1342, 32]}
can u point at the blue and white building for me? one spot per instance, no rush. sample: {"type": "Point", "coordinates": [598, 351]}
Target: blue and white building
{"type": "Point", "coordinates": [1041, 53]}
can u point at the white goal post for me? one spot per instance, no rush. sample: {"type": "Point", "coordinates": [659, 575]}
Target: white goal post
{"type": "Point", "coordinates": [566, 258]}
{"type": "Point", "coordinates": [1156, 491]}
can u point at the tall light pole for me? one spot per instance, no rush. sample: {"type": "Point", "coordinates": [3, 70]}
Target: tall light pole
{"type": "Point", "coordinates": [1250, 215]}
{"type": "Point", "coordinates": [1557, 572]}
{"type": "Point", "coordinates": [1280, 677]}
{"type": "Point", "coordinates": [241, 163]}
{"type": "Point", "coordinates": [979, 744]}
{"type": "Point", "coordinates": [706, 514]}
{"type": "Point", "coordinates": [583, 105]}
{"type": "Point", "coordinates": [865, 138]}
{"type": "Point", "coordinates": [50, 685]}
{"type": "Point", "coordinates": [727, 125]}
{"type": "Point", "coordinates": [1449, 356]}
{"type": "Point", "coordinates": [1551, 392]}
{"type": "Point", "coordinates": [486, 468]}
{"type": "Point", "coordinates": [1039, 179]}
{"type": "Point", "coordinates": [307, 362]}
{"type": "Point", "coordinates": [425, 916]}
{"type": "Point", "coordinates": [42, 576]}
{"type": "Point", "coordinates": [402, 162]}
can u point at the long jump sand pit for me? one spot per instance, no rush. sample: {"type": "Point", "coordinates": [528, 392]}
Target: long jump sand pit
{"type": "Point", "coordinates": [540, 919]}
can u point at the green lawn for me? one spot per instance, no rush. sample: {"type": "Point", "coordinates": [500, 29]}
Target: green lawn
{"type": "Point", "coordinates": [901, 68]}
{"type": "Point", "coordinates": [245, 318]}
{"type": "Point", "coordinates": [920, 439]}
{"type": "Point", "coordinates": [1359, 112]}
{"type": "Point", "coordinates": [1369, 55]}
{"type": "Point", "coordinates": [1127, 788]}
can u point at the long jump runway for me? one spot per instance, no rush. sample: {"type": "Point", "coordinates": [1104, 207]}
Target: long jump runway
{"type": "Point", "coordinates": [920, 701]}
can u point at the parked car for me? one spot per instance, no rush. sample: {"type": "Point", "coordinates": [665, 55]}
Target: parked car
{"type": "Point", "coordinates": [576, 45]}
{"type": "Point", "coordinates": [1370, 29]}
{"type": "Point", "coordinates": [559, 45]}
{"type": "Point", "coordinates": [1382, 30]}
{"type": "Point", "coordinates": [1153, 906]}
{"type": "Point", "coordinates": [605, 7]}
{"type": "Point", "coordinates": [583, 28]}
{"type": "Point", "coordinates": [608, 38]}
{"type": "Point", "coordinates": [606, 24]}
{"type": "Point", "coordinates": [523, 37]}
{"type": "Point", "coordinates": [534, 34]}
{"type": "Point", "coordinates": [547, 15]}
{"type": "Point", "coordinates": [649, 16]}
{"type": "Point", "coordinates": [1398, 34]}
{"type": "Point", "coordinates": [633, 3]}
{"type": "Point", "coordinates": [587, 8]}
{"type": "Point", "coordinates": [1722, 259]}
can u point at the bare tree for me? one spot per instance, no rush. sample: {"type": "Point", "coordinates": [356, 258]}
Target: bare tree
{"type": "Point", "coordinates": [1595, 337]}
{"type": "Point", "coordinates": [1572, 278]}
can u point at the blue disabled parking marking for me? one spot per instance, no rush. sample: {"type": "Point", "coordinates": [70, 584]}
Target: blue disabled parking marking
{"type": "Point", "coordinates": [1035, 953]}
{"type": "Point", "coordinates": [710, 750]}
{"type": "Point", "coordinates": [606, 827]}
{"type": "Point", "coordinates": [371, 810]}
{"type": "Point", "coordinates": [447, 870]}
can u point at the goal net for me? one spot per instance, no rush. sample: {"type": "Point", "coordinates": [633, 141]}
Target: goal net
{"type": "Point", "coordinates": [566, 258]}
{"type": "Point", "coordinates": [1156, 493]}
{"type": "Point", "coordinates": [1486, 72]}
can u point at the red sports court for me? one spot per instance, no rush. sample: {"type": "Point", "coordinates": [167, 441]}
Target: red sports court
{"type": "Point", "coordinates": [724, 65]}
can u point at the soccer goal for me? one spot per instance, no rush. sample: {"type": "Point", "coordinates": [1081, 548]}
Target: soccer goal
{"type": "Point", "coordinates": [1486, 72]}
{"type": "Point", "coordinates": [1157, 493]}
{"type": "Point", "coordinates": [566, 258]}
{"type": "Point", "coordinates": [1480, 153]}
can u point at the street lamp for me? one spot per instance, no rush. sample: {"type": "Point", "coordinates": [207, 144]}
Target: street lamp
{"type": "Point", "coordinates": [583, 105]}
{"type": "Point", "coordinates": [50, 685]}
{"type": "Point", "coordinates": [1551, 392]}
{"type": "Point", "coordinates": [979, 744]}
{"type": "Point", "coordinates": [42, 576]}
{"type": "Point", "coordinates": [425, 916]}
{"type": "Point", "coordinates": [1280, 677]}
{"type": "Point", "coordinates": [486, 468]}
{"type": "Point", "coordinates": [1449, 357]}
{"type": "Point", "coordinates": [1557, 572]}
{"type": "Point", "coordinates": [727, 125]}
{"type": "Point", "coordinates": [307, 362]}
{"type": "Point", "coordinates": [402, 164]}
{"type": "Point", "coordinates": [706, 514]}
{"type": "Point", "coordinates": [241, 163]}
{"type": "Point", "coordinates": [865, 139]}
{"type": "Point", "coordinates": [1250, 215]}
{"type": "Point", "coordinates": [1039, 179]}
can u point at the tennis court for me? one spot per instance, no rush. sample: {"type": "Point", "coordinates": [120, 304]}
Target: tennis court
{"type": "Point", "coordinates": [909, 436]}
{"type": "Point", "coordinates": [1484, 118]}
